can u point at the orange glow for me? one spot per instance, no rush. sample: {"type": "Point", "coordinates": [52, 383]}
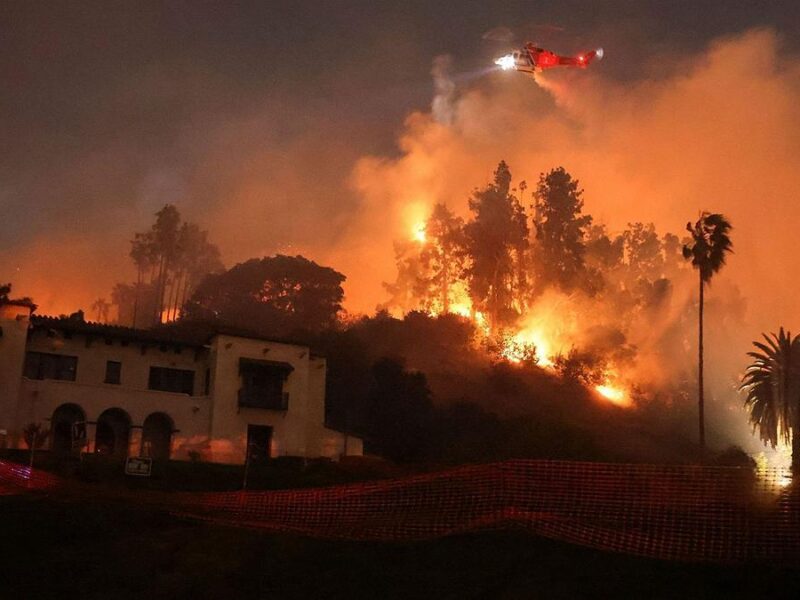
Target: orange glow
{"type": "Point", "coordinates": [463, 309]}
{"type": "Point", "coordinates": [418, 233]}
{"type": "Point", "coordinates": [615, 395]}
{"type": "Point", "coordinates": [528, 338]}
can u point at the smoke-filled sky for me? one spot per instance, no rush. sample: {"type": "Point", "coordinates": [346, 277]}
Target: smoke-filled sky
{"type": "Point", "coordinates": [308, 128]}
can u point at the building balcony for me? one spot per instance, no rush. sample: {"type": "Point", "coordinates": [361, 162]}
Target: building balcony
{"type": "Point", "coordinates": [255, 398]}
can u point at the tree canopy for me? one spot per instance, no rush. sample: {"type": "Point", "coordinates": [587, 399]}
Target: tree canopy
{"type": "Point", "coordinates": [560, 230]}
{"type": "Point", "coordinates": [772, 387]}
{"type": "Point", "coordinates": [171, 258]}
{"type": "Point", "coordinates": [496, 237]}
{"type": "Point", "coordinates": [274, 294]}
{"type": "Point", "coordinates": [709, 245]}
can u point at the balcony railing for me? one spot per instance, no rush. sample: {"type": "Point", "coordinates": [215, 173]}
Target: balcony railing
{"type": "Point", "coordinates": [255, 398]}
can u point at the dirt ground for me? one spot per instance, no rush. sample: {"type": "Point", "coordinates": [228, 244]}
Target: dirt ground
{"type": "Point", "coordinates": [54, 549]}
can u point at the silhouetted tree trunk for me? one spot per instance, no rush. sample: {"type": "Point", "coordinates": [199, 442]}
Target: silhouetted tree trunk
{"type": "Point", "coordinates": [136, 297]}
{"type": "Point", "coordinates": [186, 286]}
{"type": "Point", "coordinates": [796, 445]}
{"type": "Point", "coordinates": [172, 298]}
{"type": "Point", "coordinates": [701, 403]}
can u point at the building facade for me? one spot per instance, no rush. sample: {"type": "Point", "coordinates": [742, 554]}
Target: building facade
{"type": "Point", "coordinates": [217, 397]}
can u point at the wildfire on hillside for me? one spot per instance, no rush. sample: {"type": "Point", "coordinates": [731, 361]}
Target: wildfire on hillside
{"type": "Point", "coordinates": [541, 337]}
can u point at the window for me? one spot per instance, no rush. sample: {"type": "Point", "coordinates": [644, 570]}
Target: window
{"type": "Point", "coordinates": [180, 381]}
{"type": "Point", "coordinates": [262, 384]}
{"type": "Point", "coordinates": [113, 372]}
{"type": "Point", "coordinates": [41, 365]}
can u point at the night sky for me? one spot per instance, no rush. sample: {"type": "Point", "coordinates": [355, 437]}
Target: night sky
{"type": "Point", "coordinates": [110, 109]}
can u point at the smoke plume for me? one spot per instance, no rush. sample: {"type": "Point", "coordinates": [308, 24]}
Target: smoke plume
{"type": "Point", "coordinates": [720, 134]}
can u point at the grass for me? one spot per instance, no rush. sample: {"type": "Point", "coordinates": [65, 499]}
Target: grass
{"type": "Point", "coordinates": [97, 549]}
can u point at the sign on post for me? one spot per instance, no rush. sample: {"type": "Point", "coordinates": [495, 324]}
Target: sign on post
{"type": "Point", "coordinates": [141, 467]}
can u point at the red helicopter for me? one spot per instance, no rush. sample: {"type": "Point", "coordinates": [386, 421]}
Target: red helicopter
{"type": "Point", "coordinates": [532, 59]}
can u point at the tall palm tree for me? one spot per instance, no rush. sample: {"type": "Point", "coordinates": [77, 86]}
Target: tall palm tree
{"type": "Point", "coordinates": [709, 245]}
{"type": "Point", "coordinates": [101, 307]}
{"type": "Point", "coordinates": [772, 383]}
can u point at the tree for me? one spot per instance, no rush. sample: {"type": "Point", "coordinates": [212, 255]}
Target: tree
{"type": "Point", "coordinates": [164, 249]}
{"type": "Point", "coordinates": [132, 299]}
{"type": "Point", "coordinates": [560, 231]}
{"type": "Point", "coordinates": [442, 257]}
{"type": "Point", "coordinates": [643, 252]}
{"type": "Point", "coordinates": [144, 260]}
{"type": "Point", "coordinates": [493, 239]}
{"type": "Point", "coordinates": [35, 436]}
{"type": "Point", "coordinates": [171, 259]}
{"type": "Point", "coordinates": [603, 252]}
{"type": "Point", "coordinates": [772, 385]}
{"type": "Point", "coordinates": [409, 290]}
{"type": "Point", "coordinates": [100, 308]}
{"type": "Point", "coordinates": [196, 257]}
{"type": "Point", "coordinates": [707, 250]}
{"type": "Point", "coordinates": [274, 294]}
{"type": "Point", "coordinates": [401, 417]}
{"type": "Point", "coordinates": [5, 295]}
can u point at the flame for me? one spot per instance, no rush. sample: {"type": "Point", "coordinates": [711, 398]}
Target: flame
{"type": "Point", "coordinates": [418, 233]}
{"type": "Point", "coordinates": [549, 329]}
{"type": "Point", "coordinates": [463, 309]}
{"type": "Point", "coordinates": [616, 395]}
{"type": "Point", "coordinates": [773, 466]}
{"type": "Point", "coordinates": [516, 348]}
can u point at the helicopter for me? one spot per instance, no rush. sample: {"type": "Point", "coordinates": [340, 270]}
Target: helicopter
{"type": "Point", "coordinates": [532, 59]}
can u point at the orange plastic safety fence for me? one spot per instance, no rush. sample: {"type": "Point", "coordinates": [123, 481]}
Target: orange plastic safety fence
{"type": "Point", "coordinates": [690, 513]}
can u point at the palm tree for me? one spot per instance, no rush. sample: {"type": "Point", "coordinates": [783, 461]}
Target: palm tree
{"type": "Point", "coordinates": [772, 383]}
{"type": "Point", "coordinates": [707, 250]}
{"type": "Point", "coordinates": [101, 307]}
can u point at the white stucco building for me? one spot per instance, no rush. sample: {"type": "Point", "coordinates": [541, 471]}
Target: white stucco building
{"type": "Point", "coordinates": [115, 390]}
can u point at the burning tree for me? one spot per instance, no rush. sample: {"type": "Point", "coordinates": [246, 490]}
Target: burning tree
{"type": "Point", "coordinates": [409, 291]}
{"type": "Point", "coordinates": [496, 239]}
{"type": "Point", "coordinates": [171, 259]}
{"type": "Point", "coordinates": [560, 232]}
{"type": "Point", "coordinates": [573, 298]}
{"type": "Point", "coordinates": [442, 258]}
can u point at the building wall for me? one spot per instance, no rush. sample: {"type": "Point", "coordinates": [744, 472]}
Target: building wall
{"type": "Point", "coordinates": [136, 358]}
{"type": "Point", "coordinates": [190, 414]}
{"type": "Point", "coordinates": [230, 421]}
{"type": "Point", "coordinates": [15, 321]}
{"type": "Point", "coordinates": [38, 399]}
{"type": "Point", "coordinates": [213, 424]}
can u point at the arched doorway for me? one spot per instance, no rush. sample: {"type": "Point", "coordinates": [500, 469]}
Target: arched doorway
{"type": "Point", "coordinates": [112, 433]}
{"type": "Point", "coordinates": [64, 417]}
{"type": "Point", "coordinates": [157, 436]}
